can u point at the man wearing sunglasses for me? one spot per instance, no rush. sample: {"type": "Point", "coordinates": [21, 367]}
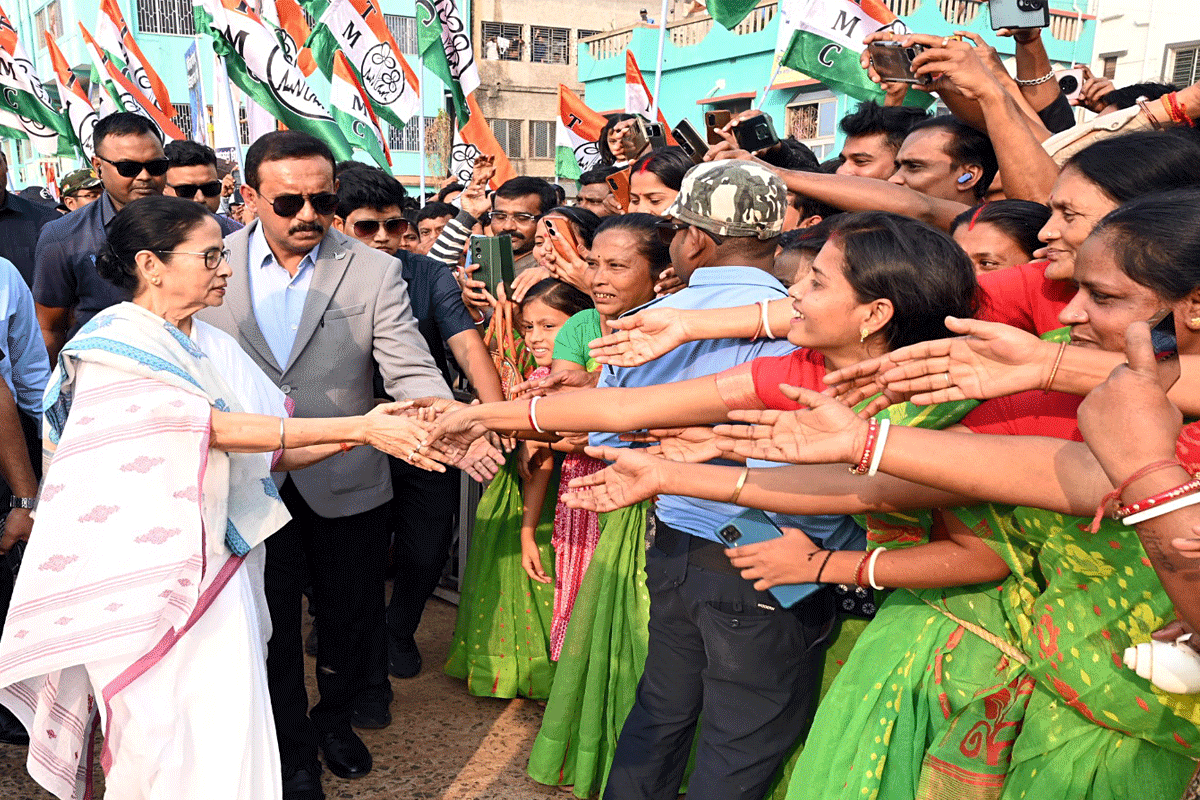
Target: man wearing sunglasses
{"type": "Point", "coordinates": [193, 176]}
{"type": "Point", "coordinates": [130, 162]}
{"type": "Point", "coordinates": [425, 505]}
{"type": "Point", "coordinates": [316, 310]}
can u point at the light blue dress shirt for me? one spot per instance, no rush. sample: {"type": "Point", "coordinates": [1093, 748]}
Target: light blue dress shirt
{"type": "Point", "coordinates": [27, 367]}
{"type": "Point", "coordinates": [709, 287]}
{"type": "Point", "coordinates": [277, 297]}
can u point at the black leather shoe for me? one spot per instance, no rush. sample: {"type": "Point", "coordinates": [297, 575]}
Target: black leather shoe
{"type": "Point", "coordinates": [11, 730]}
{"type": "Point", "coordinates": [345, 754]}
{"type": "Point", "coordinates": [404, 661]}
{"type": "Point", "coordinates": [303, 783]}
{"type": "Point", "coordinates": [370, 715]}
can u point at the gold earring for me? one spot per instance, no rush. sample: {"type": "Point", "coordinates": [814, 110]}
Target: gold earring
{"type": "Point", "coordinates": [1195, 322]}
{"type": "Point", "coordinates": [864, 334]}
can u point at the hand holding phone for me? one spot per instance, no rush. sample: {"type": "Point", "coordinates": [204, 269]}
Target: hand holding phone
{"type": "Point", "coordinates": [618, 182]}
{"type": "Point", "coordinates": [753, 527]}
{"type": "Point", "coordinates": [756, 133]}
{"type": "Point", "coordinates": [690, 141]}
{"type": "Point", "coordinates": [714, 121]}
{"type": "Point", "coordinates": [893, 62]}
{"type": "Point", "coordinates": [1019, 14]}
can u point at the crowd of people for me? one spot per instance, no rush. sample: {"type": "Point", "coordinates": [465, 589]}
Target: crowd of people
{"type": "Point", "coordinates": [864, 478]}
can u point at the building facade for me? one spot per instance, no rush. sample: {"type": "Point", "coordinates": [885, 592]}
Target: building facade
{"type": "Point", "coordinates": [1147, 40]}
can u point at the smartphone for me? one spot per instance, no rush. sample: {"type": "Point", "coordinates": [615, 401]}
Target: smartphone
{"type": "Point", "coordinates": [1019, 13]}
{"type": "Point", "coordinates": [657, 134]}
{"type": "Point", "coordinates": [494, 255]}
{"type": "Point", "coordinates": [893, 62]}
{"type": "Point", "coordinates": [691, 141]}
{"type": "Point", "coordinates": [563, 234]}
{"type": "Point", "coordinates": [756, 134]}
{"type": "Point", "coordinates": [1070, 81]}
{"type": "Point", "coordinates": [1162, 335]}
{"type": "Point", "coordinates": [619, 183]}
{"type": "Point", "coordinates": [714, 121]}
{"type": "Point", "coordinates": [751, 527]}
{"type": "Point", "coordinates": [636, 139]}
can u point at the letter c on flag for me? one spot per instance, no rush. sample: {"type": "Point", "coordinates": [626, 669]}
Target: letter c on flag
{"type": "Point", "coordinates": [826, 52]}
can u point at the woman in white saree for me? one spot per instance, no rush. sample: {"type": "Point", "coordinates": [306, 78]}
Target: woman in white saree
{"type": "Point", "coordinates": [140, 604]}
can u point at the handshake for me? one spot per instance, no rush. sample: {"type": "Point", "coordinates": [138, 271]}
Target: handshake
{"type": "Point", "coordinates": [430, 432]}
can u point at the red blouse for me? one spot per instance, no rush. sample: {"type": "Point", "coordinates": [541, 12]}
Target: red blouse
{"type": "Point", "coordinates": [1022, 296]}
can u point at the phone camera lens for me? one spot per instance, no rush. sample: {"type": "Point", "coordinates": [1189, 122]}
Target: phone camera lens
{"type": "Point", "coordinates": [1069, 84]}
{"type": "Point", "coordinates": [910, 53]}
{"type": "Point", "coordinates": [730, 534]}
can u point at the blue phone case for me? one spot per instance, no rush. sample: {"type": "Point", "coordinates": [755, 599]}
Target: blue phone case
{"type": "Point", "coordinates": [751, 527]}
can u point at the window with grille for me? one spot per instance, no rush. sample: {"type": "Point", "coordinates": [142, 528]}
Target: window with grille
{"type": "Point", "coordinates": [550, 45]}
{"type": "Point", "coordinates": [541, 139]}
{"type": "Point", "coordinates": [814, 123]}
{"type": "Point", "coordinates": [1110, 67]}
{"type": "Point", "coordinates": [502, 41]}
{"type": "Point", "coordinates": [183, 117]}
{"type": "Point", "coordinates": [583, 34]}
{"type": "Point", "coordinates": [1186, 66]}
{"type": "Point", "coordinates": [508, 134]}
{"type": "Point", "coordinates": [48, 20]}
{"type": "Point", "coordinates": [404, 31]}
{"type": "Point", "coordinates": [407, 139]}
{"type": "Point", "coordinates": [166, 16]}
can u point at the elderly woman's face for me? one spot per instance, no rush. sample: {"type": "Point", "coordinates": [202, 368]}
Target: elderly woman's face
{"type": "Point", "coordinates": [187, 279]}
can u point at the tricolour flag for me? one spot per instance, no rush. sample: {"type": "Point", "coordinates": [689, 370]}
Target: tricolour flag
{"type": "Point", "coordinates": [261, 67]}
{"type": "Point", "coordinates": [828, 42]}
{"type": "Point", "coordinates": [638, 99]}
{"type": "Point", "coordinates": [125, 92]}
{"type": "Point", "coordinates": [113, 34]}
{"type": "Point", "coordinates": [353, 113]}
{"type": "Point", "coordinates": [24, 104]}
{"type": "Point", "coordinates": [288, 17]}
{"type": "Point", "coordinates": [730, 12]}
{"type": "Point", "coordinates": [444, 41]}
{"type": "Point", "coordinates": [576, 133]}
{"type": "Point", "coordinates": [357, 28]}
{"type": "Point", "coordinates": [74, 99]}
{"type": "Point", "coordinates": [473, 139]}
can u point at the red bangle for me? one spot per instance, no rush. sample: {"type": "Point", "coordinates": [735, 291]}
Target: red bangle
{"type": "Point", "coordinates": [864, 463]}
{"type": "Point", "coordinates": [345, 447]}
{"type": "Point", "coordinates": [1177, 113]}
{"type": "Point", "coordinates": [858, 571]}
{"type": "Point", "coordinates": [1115, 495]}
{"type": "Point", "coordinates": [1158, 499]}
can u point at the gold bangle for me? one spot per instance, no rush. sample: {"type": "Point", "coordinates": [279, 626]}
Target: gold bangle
{"type": "Point", "coordinates": [1054, 371]}
{"type": "Point", "coordinates": [741, 482]}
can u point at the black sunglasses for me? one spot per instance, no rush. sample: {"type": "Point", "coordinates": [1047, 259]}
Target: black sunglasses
{"type": "Point", "coordinates": [667, 229]}
{"type": "Point", "coordinates": [369, 227]}
{"type": "Point", "coordinates": [210, 189]}
{"type": "Point", "coordinates": [131, 169]}
{"type": "Point", "coordinates": [289, 205]}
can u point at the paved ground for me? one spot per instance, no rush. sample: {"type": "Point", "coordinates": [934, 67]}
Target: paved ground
{"type": "Point", "coordinates": [443, 743]}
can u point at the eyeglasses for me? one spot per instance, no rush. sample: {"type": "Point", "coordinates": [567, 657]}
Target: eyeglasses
{"type": "Point", "coordinates": [667, 229]}
{"type": "Point", "coordinates": [210, 189]}
{"type": "Point", "coordinates": [505, 216]}
{"type": "Point", "coordinates": [131, 169]}
{"type": "Point", "coordinates": [213, 256]}
{"type": "Point", "coordinates": [289, 205]}
{"type": "Point", "coordinates": [369, 227]}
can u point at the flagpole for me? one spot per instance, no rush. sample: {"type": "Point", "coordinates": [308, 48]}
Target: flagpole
{"type": "Point", "coordinates": [233, 115]}
{"type": "Point", "coordinates": [662, 37]}
{"type": "Point", "coordinates": [421, 123]}
{"type": "Point", "coordinates": [770, 83]}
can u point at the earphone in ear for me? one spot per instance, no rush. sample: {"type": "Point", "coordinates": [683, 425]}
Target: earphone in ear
{"type": "Point", "coordinates": [966, 176]}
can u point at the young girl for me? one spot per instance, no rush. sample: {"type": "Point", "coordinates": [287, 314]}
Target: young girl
{"type": "Point", "coordinates": [502, 636]}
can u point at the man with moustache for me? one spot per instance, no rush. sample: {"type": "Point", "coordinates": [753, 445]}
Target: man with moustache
{"type": "Point", "coordinates": [316, 310]}
{"type": "Point", "coordinates": [516, 207]}
{"type": "Point", "coordinates": [130, 162]}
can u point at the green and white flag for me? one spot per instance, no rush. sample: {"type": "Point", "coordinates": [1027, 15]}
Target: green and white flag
{"type": "Point", "coordinates": [444, 41]}
{"type": "Point", "coordinates": [353, 113]}
{"type": "Point", "coordinates": [25, 105]}
{"type": "Point", "coordinates": [357, 29]}
{"type": "Point", "coordinates": [826, 43]}
{"type": "Point", "coordinates": [730, 12]}
{"type": "Point", "coordinates": [258, 65]}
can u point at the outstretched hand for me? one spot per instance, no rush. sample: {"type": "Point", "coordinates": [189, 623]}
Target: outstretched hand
{"type": "Point", "coordinates": [450, 438]}
{"type": "Point", "coordinates": [692, 445]}
{"type": "Point", "coordinates": [633, 477]}
{"type": "Point", "coordinates": [827, 432]}
{"type": "Point", "coordinates": [563, 380]}
{"type": "Point", "coordinates": [640, 337]}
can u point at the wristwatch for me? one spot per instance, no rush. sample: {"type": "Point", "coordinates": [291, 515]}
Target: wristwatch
{"type": "Point", "coordinates": [22, 502]}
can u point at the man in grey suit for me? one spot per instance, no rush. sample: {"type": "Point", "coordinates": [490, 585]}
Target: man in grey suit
{"type": "Point", "coordinates": [315, 310]}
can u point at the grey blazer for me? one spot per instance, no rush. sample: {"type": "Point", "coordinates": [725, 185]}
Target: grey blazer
{"type": "Point", "coordinates": [356, 314]}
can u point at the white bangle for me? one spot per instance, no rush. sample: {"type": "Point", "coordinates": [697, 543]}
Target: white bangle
{"type": "Point", "coordinates": [533, 401]}
{"type": "Point", "coordinates": [766, 322]}
{"type": "Point", "coordinates": [282, 446]}
{"type": "Point", "coordinates": [871, 567]}
{"type": "Point", "coordinates": [1165, 508]}
{"type": "Point", "coordinates": [877, 456]}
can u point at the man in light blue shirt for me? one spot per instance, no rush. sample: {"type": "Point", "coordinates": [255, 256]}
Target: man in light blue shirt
{"type": "Point", "coordinates": [277, 296]}
{"type": "Point", "coordinates": [719, 651]}
{"type": "Point", "coordinates": [27, 368]}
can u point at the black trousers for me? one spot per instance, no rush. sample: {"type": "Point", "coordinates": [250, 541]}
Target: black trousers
{"type": "Point", "coordinates": [423, 515]}
{"type": "Point", "coordinates": [724, 653]}
{"type": "Point", "coordinates": [344, 559]}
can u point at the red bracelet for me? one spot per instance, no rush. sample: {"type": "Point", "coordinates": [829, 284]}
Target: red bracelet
{"type": "Point", "coordinates": [858, 571]}
{"type": "Point", "coordinates": [864, 463]}
{"type": "Point", "coordinates": [346, 447]}
{"type": "Point", "coordinates": [1177, 113]}
{"type": "Point", "coordinates": [1158, 499]}
{"type": "Point", "coordinates": [1115, 495]}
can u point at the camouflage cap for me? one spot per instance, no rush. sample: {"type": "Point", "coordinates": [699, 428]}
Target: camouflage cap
{"type": "Point", "coordinates": [78, 180]}
{"type": "Point", "coordinates": [731, 198]}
